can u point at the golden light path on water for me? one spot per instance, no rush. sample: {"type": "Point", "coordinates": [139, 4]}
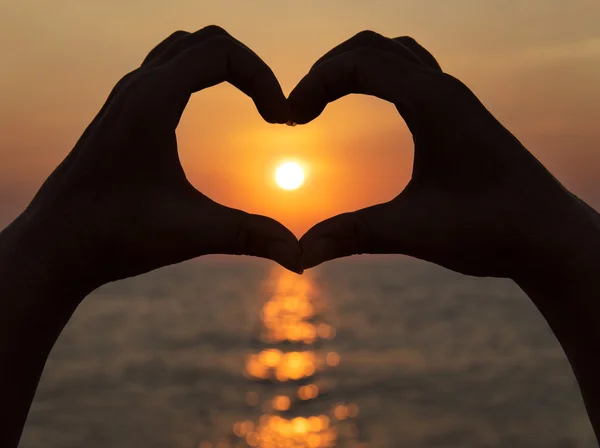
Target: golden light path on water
{"type": "Point", "coordinates": [287, 375]}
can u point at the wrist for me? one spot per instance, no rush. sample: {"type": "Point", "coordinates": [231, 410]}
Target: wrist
{"type": "Point", "coordinates": [32, 258]}
{"type": "Point", "coordinates": [566, 258]}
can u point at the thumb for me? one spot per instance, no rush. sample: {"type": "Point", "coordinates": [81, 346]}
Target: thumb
{"type": "Point", "coordinates": [389, 228]}
{"type": "Point", "coordinates": [234, 232]}
{"type": "Point", "coordinates": [264, 237]}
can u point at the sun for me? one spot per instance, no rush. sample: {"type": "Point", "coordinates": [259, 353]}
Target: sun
{"type": "Point", "coordinates": [289, 175]}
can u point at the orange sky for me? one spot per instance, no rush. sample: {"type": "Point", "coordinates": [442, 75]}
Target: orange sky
{"type": "Point", "coordinates": [535, 64]}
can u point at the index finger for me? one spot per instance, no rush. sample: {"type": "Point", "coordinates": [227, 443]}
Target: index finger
{"type": "Point", "coordinates": [363, 70]}
{"type": "Point", "coordinates": [224, 59]}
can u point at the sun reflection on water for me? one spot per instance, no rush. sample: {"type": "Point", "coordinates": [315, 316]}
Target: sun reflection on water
{"type": "Point", "coordinates": [288, 371]}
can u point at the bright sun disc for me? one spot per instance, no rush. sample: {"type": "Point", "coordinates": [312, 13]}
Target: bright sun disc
{"type": "Point", "coordinates": [289, 175]}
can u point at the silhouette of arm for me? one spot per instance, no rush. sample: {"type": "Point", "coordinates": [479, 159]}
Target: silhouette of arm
{"type": "Point", "coordinates": [478, 202]}
{"type": "Point", "coordinates": [34, 308]}
{"type": "Point", "coordinates": [120, 205]}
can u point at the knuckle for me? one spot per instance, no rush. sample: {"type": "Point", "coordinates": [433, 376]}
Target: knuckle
{"type": "Point", "coordinates": [207, 33]}
{"type": "Point", "coordinates": [455, 85]}
{"type": "Point", "coordinates": [213, 29]}
{"type": "Point", "coordinates": [125, 80]}
{"type": "Point", "coordinates": [142, 92]}
{"type": "Point", "coordinates": [122, 86]}
{"type": "Point", "coordinates": [363, 57]}
{"type": "Point", "coordinates": [177, 34]}
{"type": "Point", "coordinates": [368, 37]}
{"type": "Point", "coordinates": [219, 45]}
{"type": "Point", "coordinates": [143, 82]}
{"type": "Point", "coordinates": [408, 40]}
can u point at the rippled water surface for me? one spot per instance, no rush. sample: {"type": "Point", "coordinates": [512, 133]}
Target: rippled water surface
{"type": "Point", "coordinates": [367, 352]}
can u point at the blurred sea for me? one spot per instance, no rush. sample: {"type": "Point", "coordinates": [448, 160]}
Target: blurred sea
{"type": "Point", "coordinates": [363, 352]}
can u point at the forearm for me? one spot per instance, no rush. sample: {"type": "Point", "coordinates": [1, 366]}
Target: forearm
{"type": "Point", "coordinates": [34, 308]}
{"type": "Point", "coordinates": [569, 299]}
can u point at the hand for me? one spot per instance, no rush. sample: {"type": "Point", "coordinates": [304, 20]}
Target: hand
{"type": "Point", "coordinates": [120, 204]}
{"type": "Point", "coordinates": [478, 202]}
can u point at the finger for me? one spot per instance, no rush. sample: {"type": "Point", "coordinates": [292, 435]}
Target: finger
{"type": "Point", "coordinates": [222, 59]}
{"type": "Point", "coordinates": [369, 39]}
{"type": "Point", "coordinates": [362, 70]}
{"type": "Point", "coordinates": [225, 230]}
{"type": "Point", "coordinates": [152, 56]}
{"type": "Point", "coordinates": [396, 227]}
{"type": "Point", "coordinates": [163, 47]}
{"type": "Point", "coordinates": [266, 238]}
{"type": "Point", "coordinates": [181, 44]}
{"type": "Point", "coordinates": [423, 54]}
{"type": "Point", "coordinates": [192, 225]}
{"type": "Point", "coordinates": [341, 236]}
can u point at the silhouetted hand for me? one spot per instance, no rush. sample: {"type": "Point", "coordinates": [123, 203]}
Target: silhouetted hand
{"type": "Point", "coordinates": [478, 201]}
{"type": "Point", "coordinates": [120, 203]}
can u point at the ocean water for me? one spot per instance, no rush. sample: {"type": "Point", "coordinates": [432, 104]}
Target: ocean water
{"type": "Point", "coordinates": [363, 352]}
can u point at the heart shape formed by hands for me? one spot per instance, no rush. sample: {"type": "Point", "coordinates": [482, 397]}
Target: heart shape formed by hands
{"type": "Point", "coordinates": [120, 204]}
{"type": "Point", "coordinates": [478, 201]}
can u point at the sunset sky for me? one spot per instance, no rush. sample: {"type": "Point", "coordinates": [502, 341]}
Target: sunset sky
{"type": "Point", "coordinates": [535, 64]}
